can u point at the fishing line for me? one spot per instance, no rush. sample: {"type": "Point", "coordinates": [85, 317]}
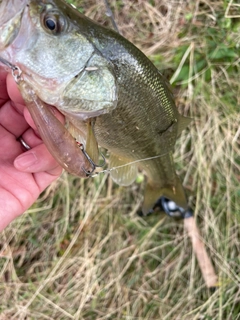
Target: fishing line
{"type": "Point", "coordinates": [125, 165]}
{"type": "Point", "coordinates": [109, 13]}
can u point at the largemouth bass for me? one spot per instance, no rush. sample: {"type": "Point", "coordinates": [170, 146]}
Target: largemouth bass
{"type": "Point", "coordinates": [109, 91]}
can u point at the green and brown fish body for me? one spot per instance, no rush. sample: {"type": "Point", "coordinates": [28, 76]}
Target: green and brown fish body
{"type": "Point", "coordinates": [109, 91]}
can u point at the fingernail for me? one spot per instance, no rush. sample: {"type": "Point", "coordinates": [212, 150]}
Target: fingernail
{"type": "Point", "coordinates": [25, 161]}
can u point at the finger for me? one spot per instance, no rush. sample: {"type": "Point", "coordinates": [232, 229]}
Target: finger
{"type": "Point", "coordinates": [11, 114]}
{"type": "Point", "coordinates": [37, 159]}
{"type": "Point", "coordinates": [19, 103]}
{"type": "Point", "coordinates": [44, 179]}
{"type": "Point", "coordinates": [3, 87]}
{"type": "Point", "coordinates": [12, 120]}
{"type": "Point", "coordinates": [13, 91]}
{"type": "Point", "coordinates": [10, 148]}
{"type": "Point", "coordinates": [31, 138]}
{"type": "Point", "coordinates": [20, 191]}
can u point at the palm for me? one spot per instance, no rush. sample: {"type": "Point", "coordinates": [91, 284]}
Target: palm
{"type": "Point", "coordinates": [18, 189]}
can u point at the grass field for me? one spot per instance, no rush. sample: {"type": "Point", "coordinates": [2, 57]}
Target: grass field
{"type": "Point", "coordinates": [82, 252]}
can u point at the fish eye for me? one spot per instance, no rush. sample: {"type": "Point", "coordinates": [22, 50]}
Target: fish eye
{"type": "Point", "coordinates": [53, 23]}
{"type": "Point", "coordinates": [50, 24]}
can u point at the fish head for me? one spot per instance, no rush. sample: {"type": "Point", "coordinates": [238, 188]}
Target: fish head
{"type": "Point", "coordinates": [62, 65]}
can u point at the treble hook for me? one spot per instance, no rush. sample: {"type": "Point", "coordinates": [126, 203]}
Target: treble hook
{"type": "Point", "coordinates": [93, 164]}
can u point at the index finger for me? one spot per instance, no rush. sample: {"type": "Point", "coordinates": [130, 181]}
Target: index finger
{"type": "Point", "coordinates": [3, 87]}
{"type": "Point", "coordinates": [13, 91]}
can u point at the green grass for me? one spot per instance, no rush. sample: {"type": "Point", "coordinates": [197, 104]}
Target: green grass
{"type": "Point", "coordinates": [82, 252]}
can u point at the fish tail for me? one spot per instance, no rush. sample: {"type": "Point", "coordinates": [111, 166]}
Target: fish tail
{"type": "Point", "coordinates": [153, 193]}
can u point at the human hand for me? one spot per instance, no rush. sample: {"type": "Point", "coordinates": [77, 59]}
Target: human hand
{"type": "Point", "coordinates": [23, 174]}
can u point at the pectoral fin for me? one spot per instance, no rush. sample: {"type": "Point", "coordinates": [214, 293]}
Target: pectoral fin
{"type": "Point", "coordinates": [153, 193]}
{"type": "Point", "coordinates": [85, 135]}
{"type": "Point", "coordinates": [123, 174]}
{"type": "Point", "coordinates": [79, 135]}
{"type": "Point", "coordinates": [91, 142]}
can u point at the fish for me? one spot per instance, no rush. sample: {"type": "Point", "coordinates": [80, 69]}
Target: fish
{"type": "Point", "coordinates": [110, 93]}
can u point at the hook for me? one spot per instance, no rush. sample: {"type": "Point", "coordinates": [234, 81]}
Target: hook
{"type": "Point", "coordinates": [16, 71]}
{"type": "Point", "coordinates": [93, 164]}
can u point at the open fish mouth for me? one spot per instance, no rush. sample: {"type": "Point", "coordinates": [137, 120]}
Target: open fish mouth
{"type": "Point", "coordinates": [70, 154]}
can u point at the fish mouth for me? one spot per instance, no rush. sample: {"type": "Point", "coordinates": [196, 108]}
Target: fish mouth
{"type": "Point", "coordinates": [11, 12]}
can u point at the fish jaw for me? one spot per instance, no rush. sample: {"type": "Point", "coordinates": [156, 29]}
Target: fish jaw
{"type": "Point", "coordinates": [55, 136]}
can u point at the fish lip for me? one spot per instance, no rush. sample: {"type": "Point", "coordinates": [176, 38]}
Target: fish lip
{"type": "Point", "coordinates": [33, 79]}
